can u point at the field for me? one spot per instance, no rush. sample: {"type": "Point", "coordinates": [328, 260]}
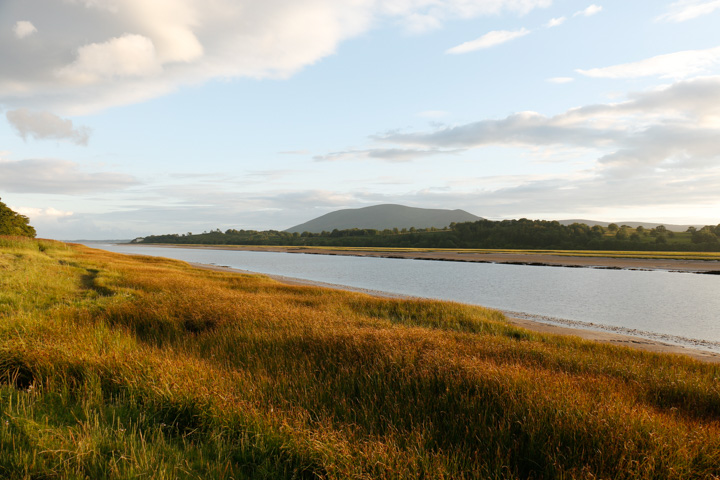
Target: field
{"type": "Point", "coordinates": [126, 366]}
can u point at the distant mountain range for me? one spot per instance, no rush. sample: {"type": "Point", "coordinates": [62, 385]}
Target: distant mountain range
{"type": "Point", "coordinates": [380, 217]}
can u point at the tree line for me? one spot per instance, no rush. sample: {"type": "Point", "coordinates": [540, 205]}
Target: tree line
{"type": "Point", "coordinates": [12, 223]}
{"type": "Point", "coordinates": [508, 234]}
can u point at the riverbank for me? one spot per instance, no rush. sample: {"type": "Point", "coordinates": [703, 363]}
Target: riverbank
{"type": "Point", "coordinates": [576, 329]}
{"type": "Point", "coordinates": [128, 366]}
{"type": "Point", "coordinates": [688, 262]}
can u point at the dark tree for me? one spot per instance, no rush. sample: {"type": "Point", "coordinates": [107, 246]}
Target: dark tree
{"type": "Point", "coordinates": [12, 223]}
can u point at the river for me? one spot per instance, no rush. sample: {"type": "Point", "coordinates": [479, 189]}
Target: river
{"type": "Point", "coordinates": [681, 308]}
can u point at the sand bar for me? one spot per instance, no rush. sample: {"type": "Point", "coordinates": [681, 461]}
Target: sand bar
{"type": "Point", "coordinates": [533, 259]}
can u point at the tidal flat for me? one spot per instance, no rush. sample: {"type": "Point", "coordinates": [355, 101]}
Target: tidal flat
{"type": "Point", "coordinates": [690, 262]}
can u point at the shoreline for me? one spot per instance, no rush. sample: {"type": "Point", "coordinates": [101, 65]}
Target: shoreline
{"type": "Point", "coordinates": [533, 323]}
{"type": "Point", "coordinates": [567, 260]}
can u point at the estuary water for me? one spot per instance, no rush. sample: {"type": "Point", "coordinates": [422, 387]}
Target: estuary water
{"type": "Point", "coordinates": [682, 308]}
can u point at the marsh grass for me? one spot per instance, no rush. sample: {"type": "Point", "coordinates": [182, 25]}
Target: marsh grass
{"type": "Point", "coordinates": [118, 366]}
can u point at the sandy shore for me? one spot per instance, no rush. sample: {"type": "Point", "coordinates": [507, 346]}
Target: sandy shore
{"type": "Point", "coordinates": [613, 338]}
{"type": "Point", "coordinates": [538, 259]}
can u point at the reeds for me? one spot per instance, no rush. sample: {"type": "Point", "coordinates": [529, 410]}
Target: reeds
{"type": "Point", "coordinates": [118, 367]}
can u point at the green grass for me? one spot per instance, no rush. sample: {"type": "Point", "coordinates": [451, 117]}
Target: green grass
{"type": "Point", "coordinates": [123, 367]}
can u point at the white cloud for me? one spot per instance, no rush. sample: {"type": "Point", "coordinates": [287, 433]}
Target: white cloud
{"type": "Point", "coordinates": [488, 40]}
{"type": "Point", "coordinates": [688, 9]}
{"type": "Point", "coordinates": [112, 52]}
{"type": "Point", "coordinates": [669, 129]}
{"type": "Point", "coordinates": [36, 213]}
{"type": "Point", "coordinates": [45, 125]}
{"type": "Point", "coordinates": [589, 11]}
{"type": "Point", "coordinates": [384, 154]}
{"type": "Point", "coordinates": [555, 22]}
{"type": "Point", "coordinates": [59, 177]}
{"type": "Point", "coordinates": [672, 65]}
{"type": "Point", "coordinates": [419, 23]}
{"type": "Point", "coordinates": [419, 16]}
{"type": "Point", "coordinates": [126, 56]}
{"type": "Point", "coordinates": [561, 80]}
{"type": "Point", "coordinates": [23, 29]}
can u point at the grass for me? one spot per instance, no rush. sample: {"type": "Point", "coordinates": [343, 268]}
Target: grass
{"type": "Point", "coordinates": [118, 366]}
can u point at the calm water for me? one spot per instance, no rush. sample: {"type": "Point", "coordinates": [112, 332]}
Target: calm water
{"type": "Point", "coordinates": [679, 307]}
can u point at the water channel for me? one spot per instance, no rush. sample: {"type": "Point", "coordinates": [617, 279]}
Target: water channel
{"type": "Point", "coordinates": [680, 308]}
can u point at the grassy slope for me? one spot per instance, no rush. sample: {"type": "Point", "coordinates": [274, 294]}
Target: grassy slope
{"type": "Point", "coordinates": [119, 367]}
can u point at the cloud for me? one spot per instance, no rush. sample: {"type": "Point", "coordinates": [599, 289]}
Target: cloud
{"type": "Point", "coordinates": [45, 125]}
{"type": "Point", "coordinates": [579, 194]}
{"type": "Point", "coordinates": [561, 80]}
{"type": "Point", "coordinates": [672, 65]}
{"type": "Point", "coordinates": [37, 213]}
{"type": "Point", "coordinates": [688, 9]}
{"type": "Point", "coordinates": [674, 128]}
{"type": "Point", "coordinates": [576, 194]}
{"type": "Point", "coordinates": [126, 56]}
{"type": "Point", "coordinates": [421, 23]}
{"type": "Point", "coordinates": [488, 40]}
{"type": "Point", "coordinates": [589, 11]}
{"type": "Point", "coordinates": [555, 22]}
{"type": "Point", "coordinates": [418, 16]}
{"type": "Point", "coordinates": [24, 29]}
{"type": "Point", "coordinates": [58, 177]}
{"type": "Point", "coordinates": [383, 154]}
{"type": "Point", "coordinates": [102, 53]}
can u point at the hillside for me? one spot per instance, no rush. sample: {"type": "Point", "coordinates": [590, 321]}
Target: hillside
{"type": "Point", "coordinates": [380, 217]}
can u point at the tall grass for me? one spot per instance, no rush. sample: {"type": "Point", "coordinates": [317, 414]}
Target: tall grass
{"type": "Point", "coordinates": [121, 367]}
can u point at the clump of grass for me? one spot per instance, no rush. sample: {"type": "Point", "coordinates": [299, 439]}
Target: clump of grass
{"type": "Point", "coordinates": [120, 367]}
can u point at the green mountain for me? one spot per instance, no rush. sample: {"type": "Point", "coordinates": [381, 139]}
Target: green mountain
{"type": "Point", "coordinates": [381, 217]}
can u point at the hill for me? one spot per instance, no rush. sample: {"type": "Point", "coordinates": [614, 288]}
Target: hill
{"type": "Point", "coordinates": [380, 217]}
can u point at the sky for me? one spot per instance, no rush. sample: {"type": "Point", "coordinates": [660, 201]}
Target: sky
{"type": "Point", "coordinates": [125, 118]}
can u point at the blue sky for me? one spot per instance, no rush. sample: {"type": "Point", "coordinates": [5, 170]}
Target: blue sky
{"type": "Point", "coordinates": [122, 118]}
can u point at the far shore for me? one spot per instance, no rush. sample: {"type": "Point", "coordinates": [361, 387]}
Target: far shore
{"type": "Point", "coordinates": [579, 259]}
{"type": "Point", "coordinates": [612, 338]}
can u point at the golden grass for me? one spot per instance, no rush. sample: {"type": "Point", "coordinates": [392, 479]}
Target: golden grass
{"type": "Point", "coordinates": [121, 366]}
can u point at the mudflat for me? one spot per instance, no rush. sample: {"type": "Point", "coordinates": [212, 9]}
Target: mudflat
{"type": "Point", "coordinates": [579, 259]}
